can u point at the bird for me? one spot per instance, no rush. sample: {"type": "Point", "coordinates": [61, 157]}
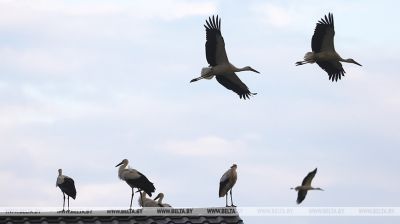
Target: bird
{"type": "Point", "coordinates": [219, 65]}
{"type": "Point", "coordinates": [134, 179]}
{"type": "Point", "coordinates": [160, 197]}
{"type": "Point", "coordinates": [147, 202]}
{"type": "Point", "coordinates": [323, 50]}
{"type": "Point", "coordinates": [227, 182]}
{"type": "Point", "coordinates": [67, 186]}
{"type": "Point", "coordinates": [305, 186]}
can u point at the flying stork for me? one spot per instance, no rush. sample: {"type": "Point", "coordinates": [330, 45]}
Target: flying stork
{"type": "Point", "coordinates": [67, 186]}
{"type": "Point", "coordinates": [305, 186]}
{"type": "Point", "coordinates": [134, 179]}
{"type": "Point", "coordinates": [160, 197]}
{"type": "Point", "coordinates": [220, 67]}
{"type": "Point", "coordinates": [323, 50]}
{"type": "Point", "coordinates": [226, 184]}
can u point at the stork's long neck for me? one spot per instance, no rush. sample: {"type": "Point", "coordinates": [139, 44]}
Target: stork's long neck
{"type": "Point", "coordinates": [121, 169]}
{"type": "Point", "coordinates": [242, 69]}
{"type": "Point", "coordinates": [160, 199]}
{"type": "Point", "coordinates": [316, 188]}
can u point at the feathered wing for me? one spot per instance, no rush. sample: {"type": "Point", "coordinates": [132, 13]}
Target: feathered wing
{"type": "Point", "coordinates": [68, 187]}
{"type": "Point", "coordinates": [232, 82]}
{"type": "Point", "coordinates": [301, 195]}
{"type": "Point", "coordinates": [323, 38]}
{"type": "Point", "coordinates": [142, 183]}
{"type": "Point", "coordinates": [223, 184]}
{"type": "Point", "coordinates": [333, 68]}
{"type": "Point", "coordinates": [307, 180]}
{"type": "Point", "coordinates": [215, 45]}
{"type": "Point", "coordinates": [130, 174]}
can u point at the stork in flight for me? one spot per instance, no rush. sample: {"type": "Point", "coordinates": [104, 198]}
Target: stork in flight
{"type": "Point", "coordinates": [220, 67]}
{"type": "Point", "coordinates": [227, 182]}
{"type": "Point", "coordinates": [67, 186]}
{"type": "Point", "coordinates": [323, 50]}
{"type": "Point", "coordinates": [305, 186]}
{"type": "Point", "coordinates": [134, 179]}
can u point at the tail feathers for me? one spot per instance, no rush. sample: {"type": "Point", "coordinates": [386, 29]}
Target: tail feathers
{"type": "Point", "coordinates": [206, 73]}
{"type": "Point", "coordinates": [308, 58]}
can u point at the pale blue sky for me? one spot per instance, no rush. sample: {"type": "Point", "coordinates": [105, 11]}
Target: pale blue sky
{"type": "Point", "coordinates": [85, 84]}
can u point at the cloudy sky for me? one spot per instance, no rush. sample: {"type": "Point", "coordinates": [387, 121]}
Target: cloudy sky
{"type": "Point", "coordinates": [85, 84]}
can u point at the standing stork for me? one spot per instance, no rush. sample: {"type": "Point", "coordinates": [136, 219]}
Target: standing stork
{"type": "Point", "coordinates": [226, 184]}
{"type": "Point", "coordinates": [323, 50]}
{"type": "Point", "coordinates": [134, 179]}
{"type": "Point", "coordinates": [160, 198]}
{"type": "Point", "coordinates": [220, 67]}
{"type": "Point", "coordinates": [67, 186]}
{"type": "Point", "coordinates": [305, 186]}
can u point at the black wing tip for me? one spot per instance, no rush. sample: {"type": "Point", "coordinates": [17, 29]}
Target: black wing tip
{"type": "Point", "coordinates": [326, 20]}
{"type": "Point", "coordinates": [314, 171]}
{"type": "Point", "coordinates": [213, 23]}
{"type": "Point", "coordinates": [337, 76]}
{"type": "Point", "coordinates": [246, 96]}
{"type": "Point", "coordinates": [73, 196]}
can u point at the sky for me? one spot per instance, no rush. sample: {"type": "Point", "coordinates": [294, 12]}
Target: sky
{"type": "Point", "coordinates": [85, 84]}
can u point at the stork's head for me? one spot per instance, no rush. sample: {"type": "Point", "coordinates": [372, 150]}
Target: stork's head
{"type": "Point", "coordinates": [354, 62]}
{"type": "Point", "coordinates": [125, 162]}
{"type": "Point", "coordinates": [160, 195]}
{"type": "Point", "coordinates": [318, 189]}
{"type": "Point", "coordinates": [248, 68]}
{"type": "Point", "coordinates": [234, 166]}
{"type": "Point", "coordinates": [59, 171]}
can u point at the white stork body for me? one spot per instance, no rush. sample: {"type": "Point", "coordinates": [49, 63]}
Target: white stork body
{"type": "Point", "coordinates": [305, 186]}
{"type": "Point", "coordinates": [160, 198]}
{"type": "Point", "coordinates": [220, 67]}
{"type": "Point", "coordinates": [323, 50]}
{"type": "Point", "coordinates": [147, 202]}
{"type": "Point", "coordinates": [67, 186]}
{"type": "Point", "coordinates": [134, 179]}
{"type": "Point", "coordinates": [226, 183]}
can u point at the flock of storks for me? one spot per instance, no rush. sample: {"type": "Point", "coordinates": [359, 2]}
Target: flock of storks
{"type": "Point", "coordinates": [323, 53]}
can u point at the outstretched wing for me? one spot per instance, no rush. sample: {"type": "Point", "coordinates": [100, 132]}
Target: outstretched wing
{"type": "Point", "coordinates": [307, 180]}
{"type": "Point", "coordinates": [333, 68]}
{"type": "Point", "coordinates": [322, 39]}
{"type": "Point", "coordinates": [232, 82]}
{"type": "Point", "coordinates": [215, 45]}
{"type": "Point", "coordinates": [301, 195]}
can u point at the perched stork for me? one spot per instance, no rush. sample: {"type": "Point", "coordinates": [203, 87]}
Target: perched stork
{"type": "Point", "coordinates": [323, 50]}
{"type": "Point", "coordinates": [134, 179]}
{"type": "Point", "coordinates": [67, 186]}
{"type": "Point", "coordinates": [160, 197]}
{"type": "Point", "coordinates": [220, 67]}
{"type": "Point", "coordinates": [227, 182]}
{"type": "Point", "coordinates": [147, 202]}
{"type": "Point", "coordinates": [305, 186]}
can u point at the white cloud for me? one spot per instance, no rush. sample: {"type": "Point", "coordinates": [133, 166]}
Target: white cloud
{"type": "Point", "coordinates": [40, 61]}
{"type": "Point", "coordinates": [20, 12]}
